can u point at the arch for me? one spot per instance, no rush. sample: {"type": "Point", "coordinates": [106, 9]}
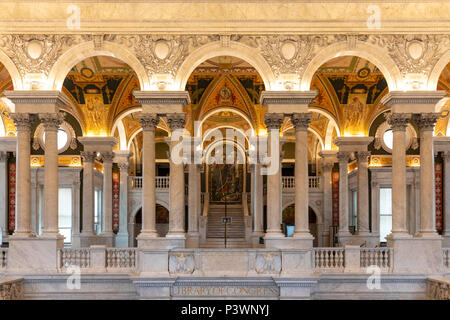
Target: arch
{"type": "Point", "coordinates": [310, 130]}
{"type": "Point", "coordinates": [369, 52]}
{"type": "Point", "coordinates": [16, 78]}
{"type": "Point", "coordinates": [312, 206]}
{"type": "Point", "coordinates": [436, 72]}
{"type": "Point", "coordinates": [137, 132]}
{"type": "Point", "coordinates": [217, 110]}
{"type": "Point", "coordinates": [329, 117]}
{"type": "Point", "coordinates": [85, 50]}
{"type": "Point", "coordinates": [2, 128]}
{"type": "Point", "coordinates": [214, 49]}
{"type": "Point", "coordinates": [136, 210]}
{"type": "Point", "coordinates": [212, 146]}
{"type": "Point", "coordinates": [211, 130]}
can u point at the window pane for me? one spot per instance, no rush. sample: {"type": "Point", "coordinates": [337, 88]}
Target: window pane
{"type": "Point", "coordinates": [65, 213]}
{"type": "Point", "coordinates": [385, 227]}
{"type": "Point", "coordinates": [386, 201]}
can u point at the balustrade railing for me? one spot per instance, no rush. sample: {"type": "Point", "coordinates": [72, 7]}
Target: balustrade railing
{"type": "Point", "coordinates": [329, 258]}
{"type": "Point", "coordinates": [288, 182]}
{"type": "Point", "coordinates": [380, 257]}
{"type": "Point", "coordinates": [446, 257]}
{"type": "Point", "coordinates": [121, 258]}
{"type": "Point", "coordinates": [80, 257]}
{"type": "Point", "coordinates": [3, 258]}
{"type": "Point", "coordinates": [136, 182]}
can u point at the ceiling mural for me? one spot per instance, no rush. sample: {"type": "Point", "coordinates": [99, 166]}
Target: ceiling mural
{"type": "Point", "coordinates": [6, 84]}
{"type": "Point", "coordinates": [444, 84]}
{"type": "Point", "coordinates": [99, 87]}
{"type": "Point", "coordinates": [355, 87]}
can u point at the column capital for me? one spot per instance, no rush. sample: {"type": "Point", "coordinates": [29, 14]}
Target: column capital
{"type": "Point", "coordinates": [176, 120]}
{"type": "Point", "coordinates": [343, 156]}
{"type": "Point", "coordinates": [273, 120]}
{"type": "Point", "coordinates": [107, 156]}
{"type": "Point", "coordinates": [88, 156]}
{"type": "Point", "coordinates": [123, 166]}
{"type": "Point", "coordinates": [51, 121]}
{"type": "Point", "coordinates": [23, 121]}
{"type": "Point", "coordinates": [426, 121]}
{"type": "Point", "coordinates": [398, 121]}
{"type": "Point", "coordinates": [363, 156]}
{"type": "Point", "coordinates": [301, 121]}
{"type": "Point", "coordinates": [149, 121]}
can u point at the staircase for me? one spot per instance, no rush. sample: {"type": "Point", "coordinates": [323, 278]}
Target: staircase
{"type": "Point", "coordinates": [215, 230]}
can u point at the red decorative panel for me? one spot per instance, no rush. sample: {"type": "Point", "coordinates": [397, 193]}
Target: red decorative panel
{"type": "Point", "coordinates": [438, 193]}
{"type": "Point", "coordinates": [12, 197]}
{"type": "Point", "coordinates": [335, 193]}
{"type": "Point", "coordinates": [116, 189]}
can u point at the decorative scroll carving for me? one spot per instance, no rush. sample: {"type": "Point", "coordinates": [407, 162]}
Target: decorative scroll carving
{"type": "Point", "coordinates": [398, 121]}
{"type": "Point", "coordinates": [363, 156]}
{"type": "Point", "coordinates": [343, 157]}
{"type": "Point", "coordinates": [411, 53]}
{"type": "Point", "coordinates": [181, 262]}
{"type": "Point", "coordinates": [51, 121]}
{"type": "Point", "coordinates": [162, 54]}
{"type": "Point", "coordinates": [301, 121]}
{"type": "Point", "coordinates": [176, 121]}
{"type": "Point", "coordinates": [149, 121]}
{"type": "Point", "coordinates": [23, 121]}
{"type": "Point", "coordinates": [426, 121]}
{"type": "Point", "coordinates": [273, 121]}
{"type": "Point", "coordinates": [88, 156]}
{"type": "Point", "coordinates": [107, 157]}
{"type": "Point", "coordinates": [290, 53]}
{"type": "Point", "coordinates": [268, 262]}
{"type": "Point", "coordinates": [36, 53]}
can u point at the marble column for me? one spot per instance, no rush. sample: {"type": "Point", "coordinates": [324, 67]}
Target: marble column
{"type": "Point", "coordinates": [76, 210]}
{"type": "Point", "coordinates": [176, 121]}
{"type": "Point", "coordinates": [193, 236]}
{"type": "Point", "coordinates": [398, 123]}
{"type": "Point", "coordinates": [363, 194]}
{"type": "Point", "coordinates": [88, 195]}
{"type": "Point", "coordinates": [258, 204]}
{"type": "Point", "coordinates": [122, 235]}
{"type": "Point", "coordinates": [23, 122]}
{"type": "Point", "coordinates": [343, 232]}
{"type": "Point", "coordinates": [51, 122]}
{"type": "Point", "coordinates": [446, 209]}
{"type": "Point", "coordinates": [107, 229]}
{"type": "Point", "coordinates": [426, 122]}
{"type": "Point", "coordinates": [328, 161]}
{"type": "Point", "coordinates": [301, 122]}
{"type": "Point", "coordinates": [3, 196]}
{"type": "Point", "coordinates": [273, 123]}
{"type": "Point", "coordinates": [149, 123]}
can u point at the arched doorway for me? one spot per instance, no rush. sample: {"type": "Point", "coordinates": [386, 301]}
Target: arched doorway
{"type": "Point", "coordinates": [162, 222]}
{"type": "Point", "coordinates": [288, 220]}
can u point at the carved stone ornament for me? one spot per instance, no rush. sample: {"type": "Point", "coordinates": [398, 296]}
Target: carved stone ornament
{"type": "Point", "coordinates": [426, 121]}
{"type": "Point", "coordinates": [273, 121]}
{"type": "Point", "coordinates": [398, 121]}
{"type": "Point", "coordinates": [268, 263]}
{"type": "Point", "coordinates": [343, 156]}
{"type": "Point", "coordinates": [88, 156]}
{"type": "Point", "coordinates": [181, 262]}
{"type": "Point", "coordinates": [23, 121]}
{"type": "Point", "coordinates": [149, 121]}
{"type": "Point", "coordinates": [176, 121]}
{"type": "Point", "coordinates": [301, 121]}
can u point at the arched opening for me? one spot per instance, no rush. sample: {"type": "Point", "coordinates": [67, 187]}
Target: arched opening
{"type": "Point", "coordinates": [162, 222]}
{"type": "Point", "coordinates": [442, 127]}
{"type": "Point", "coordinates": [288, 220]}
{"type": "Point", "coordinates": [7, 127]}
